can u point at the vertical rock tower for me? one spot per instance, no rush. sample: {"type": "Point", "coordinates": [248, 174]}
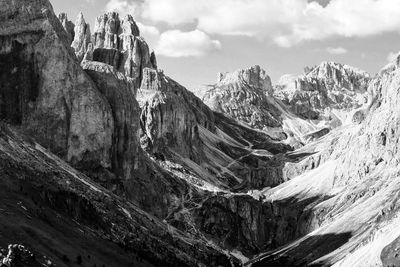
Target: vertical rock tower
{"type": "Point", "coordinates": [115, 42]}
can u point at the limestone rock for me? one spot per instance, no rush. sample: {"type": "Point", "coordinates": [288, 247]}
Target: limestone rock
{"type": "Point", "coordinates": [132, 174]}
{"type": "Point", "coordinates": [19, 256]}
{"type": "Point", "coordinates": [241, 222]}
{"type": "Point", "coordinates": [245, 96]}
{"type": "Point", "coordinates": [120, 93]}
{"type": "Point", "coordinates": [107, 29]}
{"type": "Point", "coordinates": [82, 38]}
{"type": "Point", "coordinates": [253, 76]}
{"type": "Point", "coordinates": [68, 26]}
{"type": "Point", "coordinates": [323, 88]}
{"type": "Point", "coordinates": [118, 43]}
{"type": "Point", "coordinates": [171, 115]}
{"type": "Point", "coordinates": [45, 91]}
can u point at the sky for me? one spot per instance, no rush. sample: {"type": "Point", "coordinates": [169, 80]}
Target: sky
{"type": "Point", "coordinates": [194, 40]}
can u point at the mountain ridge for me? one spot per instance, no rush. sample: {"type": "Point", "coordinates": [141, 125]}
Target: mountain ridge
{"type": "Point", "coordinates": [98, 143]}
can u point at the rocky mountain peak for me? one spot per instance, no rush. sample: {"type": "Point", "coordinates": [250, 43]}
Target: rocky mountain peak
{"type": "Point", "coordinates": [113, 33]}
{"type": "Point", "coordinates": [68, 26]}
{"type": "Point", "coordinates": [254, 76]}
{"type": "Point", "coordinates": [243, 95]}
{"type": "Point", "coordinates": [107, 30]}
{"type": "Point", "coordinates": [82, 37]}
{"type": "Point", "coordinates": [339, 74]}
{"type": "Point", "coordinates": [114, 42]}
{"type": "Point", "coordinates": [329, 85]}
{"type": "Point", "coordinates": [129, 26]}
{"type": "Point", "coordinates": [391, 66]}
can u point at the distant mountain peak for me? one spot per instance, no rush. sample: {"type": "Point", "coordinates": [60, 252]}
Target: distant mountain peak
{"type": "Point", "coordinates": [328, 85]}
{"type": "Point", "coordinates": [252, 76]}
{"type": "Point", "coordinates": [326, 67]}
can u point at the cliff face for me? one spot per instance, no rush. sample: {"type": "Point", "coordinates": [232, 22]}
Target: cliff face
{"type": "Point", "coordinates": [323, 88]}
{"type": "Point", "coordinates": [82, 37]}
{"type": "Point", "coordinates": [117, 89]}
{"type": "Point", "coordinates": [116, 42]}
{"type": "Point", "coordinates": [171, 116]}
{"type": "Point", "coordinates": [244, 95]}
{"type": "Point", "coordinates": [68, 26]}
{"type": "Point", "coordinates": [89, 117]}
{"type": "Point", "coordinates": [45, 91]}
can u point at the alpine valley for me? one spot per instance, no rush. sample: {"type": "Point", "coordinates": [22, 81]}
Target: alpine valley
{"type": "Point", "coordinates": [107, 161]}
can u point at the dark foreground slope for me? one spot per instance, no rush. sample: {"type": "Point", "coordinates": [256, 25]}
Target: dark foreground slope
{"type": "Point", "coordinates": [64, 218]}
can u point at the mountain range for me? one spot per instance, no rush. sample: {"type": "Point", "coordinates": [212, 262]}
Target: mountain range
{"type": "Point", "coordinates": [108, 161]}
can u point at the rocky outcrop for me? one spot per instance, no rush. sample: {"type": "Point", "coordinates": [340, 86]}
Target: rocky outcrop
{"type": "Point", "coordinates": [19, 256]}
{"type": "Point", "coordinates": [82, 39]}
{"type": "Point", "coordinates": [171, 116]}
{"type": "Point", "coordinates": [254, 76]}
{"type": "Point", "coordinates": [118, 43]}
{"type": "Point", "coordinates": [68, 26]}
{"type": "Point", "coordinates": [251, 224]}
{"type": "Point", "coordinates": [241, 223]}
{"type": "Point", "coordinates": [120, 93]}
{"type": "Point", "coordinates": [244, 95]}
{"type": "Point", "coordinates": [323, 88]}
{"type": "Point", "coordinates": [45, 91]}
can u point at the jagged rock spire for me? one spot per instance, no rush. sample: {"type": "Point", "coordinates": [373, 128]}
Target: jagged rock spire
{"type": "Point", "coordinates": [118, 43]}
{"type": "Point", "coordinates": [107, 30]}
{"type": "Point", "coordinates": [115, 42]}
{"type": "Point", "coordinates": [68, 26]}
{"type": "Point", "coordinates": [82, 37]}
{"type": "Point", "coordinates": [129, 26]}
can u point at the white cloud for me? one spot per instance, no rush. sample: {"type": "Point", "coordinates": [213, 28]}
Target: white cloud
{"type": "Point", "coordinates": [176, 43]}
{"type": "Point", "coordinates": [123, 7]}
{"type": "Point", "coordinates": [286, 22]}
{"type": "Point", "coordinates": [150, 33]}
{"type": "Point", "coordinates": [336, 50]}
{"type": "Point", "coordinates": [356, 18]}
{"type": "Point", "coordinates": [392, 56]}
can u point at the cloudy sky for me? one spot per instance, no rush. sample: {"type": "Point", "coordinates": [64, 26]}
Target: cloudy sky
{"type": "Point", "coordinates": [196, 39]}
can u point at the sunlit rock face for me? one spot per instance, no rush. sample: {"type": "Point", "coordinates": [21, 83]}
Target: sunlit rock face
{"type": "Point", "coordinates": [171, 116]}
{"type": "Point", "coordinates": [244, 95]}
{"type": "Point", "coordinates": [82, 39]}
{"type": "Point", "coordinates": [116, 42]}
{"type": "Point", "coordinates": [44, 89]}
{"type": "Point", "coordinates": [329, 86]}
